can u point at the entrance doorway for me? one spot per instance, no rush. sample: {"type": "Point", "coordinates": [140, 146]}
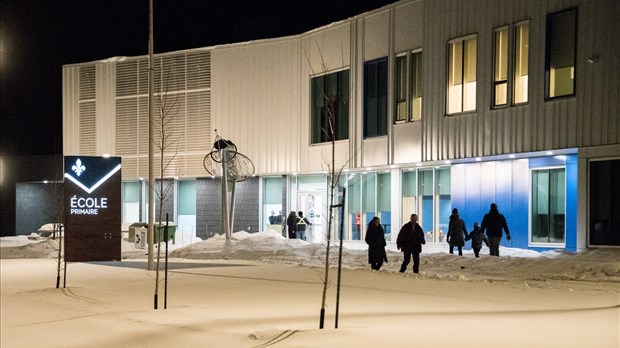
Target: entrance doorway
{"type": "Point", "coordinates": [312, 204]}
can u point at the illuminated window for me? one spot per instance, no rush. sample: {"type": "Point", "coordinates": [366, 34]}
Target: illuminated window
{"type": "Point", "coordinates": [408, 93]}
{"type": "Point", "coordinates": [462, 75]}
{"type": "Point", "coordinates": [560, 54]}
{"type": "Point", "coordinates": [521, 65]}
{"type": "Point", "coordinates": [500, 67]}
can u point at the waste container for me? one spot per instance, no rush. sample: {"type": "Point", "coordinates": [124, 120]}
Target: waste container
{"type": "Point", "coordinates": [159, 232]}
{"type": "Point", "coordinates": [139, 237]}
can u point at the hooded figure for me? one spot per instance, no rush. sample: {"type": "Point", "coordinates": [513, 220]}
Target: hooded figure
{"type": "Point", "coordinates": [493, 222]}
{"type": "Point", "coordinates": [477, 237]}
{"type": "Point", "coordinates": [456, 232]}
{"type": "Point", "coordinates": [375, 238]}
{"type": "Point", "coordinates": [291, 224]}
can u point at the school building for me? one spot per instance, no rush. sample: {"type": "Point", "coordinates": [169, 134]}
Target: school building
{"type": "Point", "coordinates": [436, 104]}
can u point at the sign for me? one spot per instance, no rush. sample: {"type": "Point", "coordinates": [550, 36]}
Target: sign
{"type": "Point", "coordinates": [92, 208]}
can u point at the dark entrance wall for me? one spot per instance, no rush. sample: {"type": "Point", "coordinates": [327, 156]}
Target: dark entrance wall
{"type": "Point", "coordinates": [36, 204]}
{"type": "Point", "coordinates": [209, 207]}
{"type": "Point", "coordinates": [23, 169]}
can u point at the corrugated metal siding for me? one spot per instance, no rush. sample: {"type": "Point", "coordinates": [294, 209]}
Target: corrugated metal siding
{"type": "Point", "coordinates": [584, 120]}
{"type": "Point", "coordinates": [256, 96]}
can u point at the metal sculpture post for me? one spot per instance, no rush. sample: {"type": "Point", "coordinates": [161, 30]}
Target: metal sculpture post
{"type": "Point", "coordinates": [225, 162]}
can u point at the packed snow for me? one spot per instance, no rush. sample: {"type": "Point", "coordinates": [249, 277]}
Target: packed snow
{"type": "Point", "coordinates": [263, 290]}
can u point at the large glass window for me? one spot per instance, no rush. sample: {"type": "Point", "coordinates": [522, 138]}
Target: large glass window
{"type": "Point", "coordinates": [354, 206]}
{"type": "Point", "coordinates": [521, 65]}
{"type": "Point", "coordinates": [548, 206]}
{"type": "Point", "coordinates": [462, 75]}
{"type": "Point", "coordinates": [330, 107]}
{"type": "Point", "coordinates": [408, 92]}
{"type": "Point", "coordinates": [500, 67]}
{"type": "Point", "coordinates": [273, 216]}
{"type": "Point", "coordinates": [561, 45]}
{"type": "Point", "coordinates": [604, 210]}
{"type": "Point", "coordinates": [444, 201]}
{"type": "Point", "coordinates": [426, 203]}
{"type": "Point", "coordinates": [384, 202]}
{"type": "Point", "coordinates": [187, 207]}
{"type": "Point", "coordinates": [131, 202]}
{"type": "Point", "coordinates": [375, 98]}
{"type": "Point", "coordinates": [409, 192]}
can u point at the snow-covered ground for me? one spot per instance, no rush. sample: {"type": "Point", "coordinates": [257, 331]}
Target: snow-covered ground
{"type": "Point", "coordinates": [262, 290]}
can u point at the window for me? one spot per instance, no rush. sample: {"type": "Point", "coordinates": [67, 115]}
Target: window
{"type": "Point", "coordinates": [186, 219]}
{"type": "Point", "coordinates": [131, 201]}
{"type": "Point", "coordinates": [521, 69]}
{"type": "Point", "coordinates": [506, 56]}
{"type": "Point", "coordinates": [408, 93]}
{"type": "Point", "coordinates": [548, 206]}
{"type": "Point", "coordinates": [330, 107]}
{"type": "Point", "coordinates": [375, 98]}
{"type": "Point", "coordinates": [560, 54]}
{"type": "Point", "coordinates": [500, 67]}
{"type": "Point", "coordinates": [462, 75]}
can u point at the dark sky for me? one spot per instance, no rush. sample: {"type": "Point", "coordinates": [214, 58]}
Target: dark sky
{"type": "Point", "coordinates": [38, 37]}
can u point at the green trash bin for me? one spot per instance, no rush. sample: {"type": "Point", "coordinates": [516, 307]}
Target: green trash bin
{"type": "Point", "coordinates": [159, 232]}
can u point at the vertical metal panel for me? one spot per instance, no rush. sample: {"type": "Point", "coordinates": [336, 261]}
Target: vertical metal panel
{"type": "Point", "coordinates": [376, 35]}
{"type": "Point", "coordinates": [70, 123]}
{"type": "Point", "coordinates": [587, 119]}
{"type": "Point", "coordinates": [409, 21]}
{"type": "Point", "coordinates": [256, 95]}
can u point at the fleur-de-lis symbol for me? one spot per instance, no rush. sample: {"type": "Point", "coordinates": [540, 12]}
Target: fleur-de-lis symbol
{"type": "Point", "coordinates": [78, 168]}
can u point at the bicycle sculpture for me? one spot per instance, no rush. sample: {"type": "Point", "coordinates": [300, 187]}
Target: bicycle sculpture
{"type": "Point", "coordinates": [225, 162]}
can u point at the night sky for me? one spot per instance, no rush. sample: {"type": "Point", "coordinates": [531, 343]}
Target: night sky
{"type": "Point", "coordinates": [38, 37]}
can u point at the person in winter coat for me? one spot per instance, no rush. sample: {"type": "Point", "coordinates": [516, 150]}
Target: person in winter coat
{"type": "Point", "coordinates": [301, 222]}
{"type": "Point", "coordinates": [410, 240]}
{"type": "Point", "coordinates": [456, 232]}
{"type": "Point", "coordinates": [291, 224]}
{"type": "Point", "coordinates": [375, 238]}
{"type": "Point", "coordinates": [477, 237]}
{"type": "Point", "coordinates": [493, 222]}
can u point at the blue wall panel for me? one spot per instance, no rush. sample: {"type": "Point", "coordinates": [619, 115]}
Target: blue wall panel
{"type": "Point", "coordinates": [519, 212]}
{"type": "Point", "coordinates": [571, 203]}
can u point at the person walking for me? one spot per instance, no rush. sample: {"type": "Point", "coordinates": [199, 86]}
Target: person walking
{"type": "Point", "coordinates": [301, 224]}
{"type": "Point", "coordinates": [477, 237]}
{"type": "Point", "coordinates": [410, 240]}
{"type": "Point", "coordinates": [456, 232]}
{"type": "Point", "coordinates": [493, 223]}
{"type": "Point", "coordinates": [291, 225]}
{"type": "Point", "coordinates": [375, 238]}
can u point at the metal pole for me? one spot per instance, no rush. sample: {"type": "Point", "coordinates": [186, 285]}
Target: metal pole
{"type": "Point", "coordinates": [225, 213]}
{"type": "Point", "coordinates": [231, 212]}
{"type": "Point", "coordinates": [340, 235]}
{"type": "Point", "coordinates": [166, 266]}
{"type": "Point", "coordinates": [151, 200]}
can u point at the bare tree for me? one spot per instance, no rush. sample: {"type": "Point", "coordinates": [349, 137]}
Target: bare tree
{"type": "Point", "coordinates": [55, 213]}
{"type": "Point", "coordinates": [332, 100]}
{"type": "Point", "coordinates": [165, 139]}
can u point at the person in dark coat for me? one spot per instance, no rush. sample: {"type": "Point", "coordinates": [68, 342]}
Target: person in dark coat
{"type": "Point", "coordinates": [456, 232]}
{"type": "Point", "coordinates": [291, 224]}
{"type": "Point", "coordinates": [493, 222]}
{"type": "Point", "coordinates": [375, 238]}
{"type": "Point", "coordinates": [301, 223]}
{"type": "Point", "coordinates": [410, 240]}
{"type": "Point", "coordinates": [477, 237]}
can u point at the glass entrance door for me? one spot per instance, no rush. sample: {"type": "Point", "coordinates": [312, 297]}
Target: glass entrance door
{"type": "Point", "coordinates": [313, 206]}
